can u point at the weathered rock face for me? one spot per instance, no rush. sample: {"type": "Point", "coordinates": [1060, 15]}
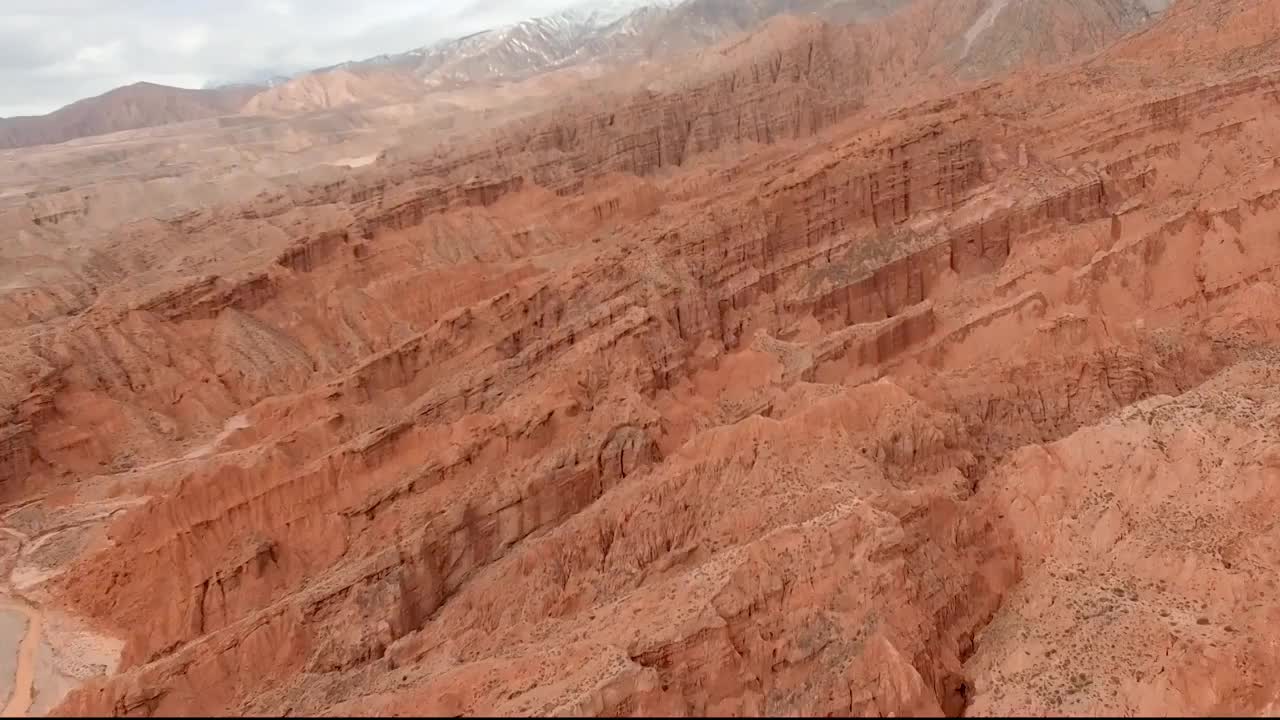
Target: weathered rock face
{"type": "Point", "coordinates": [790, 80]}
{"type": "Point", "coordinates": [959, 406]}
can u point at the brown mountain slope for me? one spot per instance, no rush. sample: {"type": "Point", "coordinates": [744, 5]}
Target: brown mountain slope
{"type": "Point", "coordinates": [127, 108]}
{"type": "Point", "coordinates": [337, 89]}
{"type": "Point", "coordinates": [789, 79]}
{"type": "Point", "coordinates": [1016, 33]}
{"type": "Point", "coordinates": [960, 404]}
{"type": "Point", "coordinates": [540, 45]}
{"type": "Point", "coordinates": [1011, 33]}
{"type": "Point", "coordinates": [981, 38]}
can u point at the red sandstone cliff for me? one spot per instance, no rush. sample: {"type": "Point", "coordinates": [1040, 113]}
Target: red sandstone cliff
{"type": "Point", "coordinates": [958, 405]}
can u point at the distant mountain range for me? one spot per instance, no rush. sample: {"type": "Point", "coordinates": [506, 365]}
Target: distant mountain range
{"type": "Point", "coordinates": [597, 31]}
{"type": "Point", "coordinates": [264, 79]}
{"type": "Point", "coordinates": [617, 30]}
{"type": "Point", "coordinates": [582, 17]}
{"type": "Point", "coordinates": [126, 108]}
{"type": "Point", "coordinates": [520, 49]}
{"type": "Point", "coordinates": [611, 32]}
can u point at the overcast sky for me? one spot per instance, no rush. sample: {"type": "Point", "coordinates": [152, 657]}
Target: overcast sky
{"type": "Point", "coordinates": [53, 52]}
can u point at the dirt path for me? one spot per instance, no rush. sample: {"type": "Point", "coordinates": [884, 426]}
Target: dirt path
{"type": "Point", "coordinates": [24, 672]}
{"type": "Point", "coordinates": [23, 651]}
{"type": "Point", "coordinates": [237, 422]}
{"type": "Point", "coordinates": [984, 23]}
{"type": "Point", "coordinates": [355, 162]}
{"type": "Point", "coordinates": [234, 423]}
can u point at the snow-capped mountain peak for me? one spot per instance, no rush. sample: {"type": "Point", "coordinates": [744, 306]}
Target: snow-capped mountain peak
{"type": "Point", "coordinates": [528, 46]}
{"type": "Point", "coordinates": [600, 13]}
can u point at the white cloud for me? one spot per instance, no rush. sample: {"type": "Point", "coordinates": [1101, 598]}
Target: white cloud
{"type": "Point", "coordinates": [190, 41]}
{"type": "Point", "coordinates": [99, 54]}
{"type": "Point", "coordinates": [53, 52]}
{"type": "Point", "coordinates": [279, 7]}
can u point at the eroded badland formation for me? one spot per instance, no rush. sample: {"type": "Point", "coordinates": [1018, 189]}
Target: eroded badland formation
{"type": "Point", "coordinates": [925, 365]}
